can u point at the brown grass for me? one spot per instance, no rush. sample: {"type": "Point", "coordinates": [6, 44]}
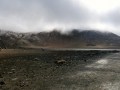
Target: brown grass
{"type": "Point", "coordinates": [7, 53]}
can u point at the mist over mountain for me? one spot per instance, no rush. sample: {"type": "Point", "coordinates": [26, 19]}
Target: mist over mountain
{"type": "Point", "coordinates": [55, 39]}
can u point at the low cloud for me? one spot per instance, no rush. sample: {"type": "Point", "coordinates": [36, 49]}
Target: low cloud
{"type": "Point", "coordinates": [41, 15]}
{"type": "Point", "coordinates": [30, 15]}
{"type": "Point", "coordinates": [112, 19]}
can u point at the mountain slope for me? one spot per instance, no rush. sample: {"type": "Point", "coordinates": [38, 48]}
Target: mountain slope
{"type": "Point", "coordinates": [54, 39]}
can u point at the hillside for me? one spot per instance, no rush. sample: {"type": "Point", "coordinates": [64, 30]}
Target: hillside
{"type": "Point", "coordinates": [55, 39]}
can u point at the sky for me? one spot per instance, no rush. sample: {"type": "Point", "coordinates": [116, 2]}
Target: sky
{"type": "Point", "coordinates": [46, 15]}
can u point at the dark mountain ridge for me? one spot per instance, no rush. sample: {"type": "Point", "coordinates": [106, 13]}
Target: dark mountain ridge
{"type": "Point", "coordinates": [56, 39]}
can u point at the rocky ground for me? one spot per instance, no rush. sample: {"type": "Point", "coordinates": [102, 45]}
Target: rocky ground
{"type": "Point", "coordinates": [61, 70]}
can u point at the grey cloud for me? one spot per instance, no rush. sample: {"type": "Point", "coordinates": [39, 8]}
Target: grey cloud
{"type": "Point", "coordinates": [29, 14]}
{"type": "Point", "coordinates": [113, 17]}
{"type": "Point", "coordinates": [65, 10]}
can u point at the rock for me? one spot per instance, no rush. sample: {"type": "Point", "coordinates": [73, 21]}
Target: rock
{"type": "Point", "coordinates": [36, 58]}
{"type": "Point", "coordinates": [1, 76]}
{"type": "Point", "coordinates": [14, 79]}
{"type": "Point", "coordinates": [2, 83]}
{"type": "Point", "coordinates": [60, 62]}
{"type": "Point", "coordinates": [10, 72]}
{"type": "Point", "coordinates": [13, 69]}
{"type": "Point", "coordinates": [85, 60]}
{"type": "Point", "coordinates": [42, 49]}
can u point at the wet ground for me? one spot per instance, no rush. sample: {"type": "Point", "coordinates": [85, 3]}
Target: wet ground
{"type": "Point", "coordinates": [82, 70]}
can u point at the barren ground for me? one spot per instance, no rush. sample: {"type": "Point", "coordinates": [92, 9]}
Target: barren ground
{"type": "Point", "coordinates": [83, 70]}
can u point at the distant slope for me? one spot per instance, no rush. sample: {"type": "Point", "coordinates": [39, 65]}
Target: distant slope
{"type": "Point", "coordinates": [97, 38]}
{"type": "Point", "coordinates": [54, 39]}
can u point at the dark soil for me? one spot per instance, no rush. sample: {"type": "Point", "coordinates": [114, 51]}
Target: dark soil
{"type": "Point", "coordinates": [40, 72]}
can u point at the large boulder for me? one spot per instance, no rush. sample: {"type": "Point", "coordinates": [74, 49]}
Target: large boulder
{"type": "Point", "coordinates": [60, 62]}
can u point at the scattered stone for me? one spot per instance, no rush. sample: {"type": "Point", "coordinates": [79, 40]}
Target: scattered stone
{"type": "Point", "coordinates": [42, 49]}
{"type": "Point", "coordinates": [1, 76]}
{"type": "Point", "coordinates": [10, 72]}
{"type": "Point", "coordinates": [36, 58]}
{"type": "Point", "coordinates": [14, 79]}
{"type": "Point", "coordinates": [85, 60]}
{"type": "Point", "coordinates": [13, 69]}
{"type": "Point", "coordinates": [2, 83]}
{"type": "Point", "coordinates": [60, 62]}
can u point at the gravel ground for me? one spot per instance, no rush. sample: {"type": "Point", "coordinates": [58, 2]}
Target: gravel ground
{"type": "Point", "coordinates": [82, 70]}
